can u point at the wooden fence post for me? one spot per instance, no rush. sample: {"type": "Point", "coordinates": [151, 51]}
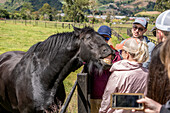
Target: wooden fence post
{"type": "Point", "coordinates": [25, 22]}
{"type": "Point", "coordinates": [45, 24]}
{"type": "Point", "coordinates": [62, 25]}
{"type": "Point", "coordinates": [83, 96]}
{"type": "Point", "coordinates": [56, 24]}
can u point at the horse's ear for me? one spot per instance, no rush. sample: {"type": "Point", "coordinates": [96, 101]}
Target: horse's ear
{"type": "Point", "coordinates": [77, 31]}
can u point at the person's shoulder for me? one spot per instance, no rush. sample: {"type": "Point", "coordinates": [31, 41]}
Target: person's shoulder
{"type": "Point", "coordinates": [148, 41]}
{"type": "Point", "coordinates": [151, 44]}
{"type": "Point", "coordinates": [145, 70]}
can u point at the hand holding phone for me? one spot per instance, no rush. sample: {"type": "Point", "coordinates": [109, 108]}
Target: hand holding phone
{"type": "Point", "coordinates": [126, 101]}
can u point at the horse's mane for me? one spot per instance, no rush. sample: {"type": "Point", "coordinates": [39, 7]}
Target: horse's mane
{"type": "Point", "coordinates": [49, 47]}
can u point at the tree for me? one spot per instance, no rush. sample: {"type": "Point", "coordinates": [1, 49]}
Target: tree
{"type": "Point", "coordinates": [75, 9]}
{"type": "Point", "coordinates": [162, 5]}
{"type": "Point", "coordinates": [108, 18]}
{"type": "Point", "coordinates": [46, 12]}
{"type": "Point", "coordinates": [36, 15]}
{"type": "Point", "coordinates": [93, 6]}
{"type": "Point", "coordinates": [27, 6]}
{"type": "Point", "coordinates": [4, 13]}
{"type": "Point", "coordinates": [26, 10]}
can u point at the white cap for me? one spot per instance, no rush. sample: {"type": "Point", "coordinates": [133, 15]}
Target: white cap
{"type": "Point", "coordinates": [163, 21]}
{"type": "Point", "coordinates": [141, 21]}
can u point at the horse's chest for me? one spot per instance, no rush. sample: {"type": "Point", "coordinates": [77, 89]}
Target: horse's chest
{"type": "Point", "coordinates": [40, 94]}
{"type": "Point", "coordinates": [38, 90]}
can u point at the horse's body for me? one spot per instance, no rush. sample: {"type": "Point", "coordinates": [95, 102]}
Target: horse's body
{"type": "Point", "coordinates": [30, 80]}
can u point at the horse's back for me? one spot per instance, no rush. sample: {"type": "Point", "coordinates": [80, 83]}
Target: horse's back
{"type": "Point", "coordinates": [8, 61]}
{"type": "Point", "coordinates": [11, 55]}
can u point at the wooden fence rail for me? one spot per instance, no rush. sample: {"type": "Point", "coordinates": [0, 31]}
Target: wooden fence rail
{"type": "Point", "coordinates": [49, 24]}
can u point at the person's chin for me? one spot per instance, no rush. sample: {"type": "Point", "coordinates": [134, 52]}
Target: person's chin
{"type": "Point", "coordinates": [135, 36]}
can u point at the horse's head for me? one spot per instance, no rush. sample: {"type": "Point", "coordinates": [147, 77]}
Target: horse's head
{"type": "Point", "coordinates": [93, 48]}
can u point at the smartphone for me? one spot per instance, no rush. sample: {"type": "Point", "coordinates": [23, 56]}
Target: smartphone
{"type": "Point", "coordinates": [126, 101]}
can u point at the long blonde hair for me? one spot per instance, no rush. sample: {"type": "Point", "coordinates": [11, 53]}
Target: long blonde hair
{"type": "Point", "coordinates": [165, 55]}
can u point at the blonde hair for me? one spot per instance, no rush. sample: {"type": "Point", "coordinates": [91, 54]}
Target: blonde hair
{"type": "Point", "coordinates": [165, 55]}
{"type": "Point", "coordinates": [142, 55]}
{"type": "Point", "coordinates": [137, 49]}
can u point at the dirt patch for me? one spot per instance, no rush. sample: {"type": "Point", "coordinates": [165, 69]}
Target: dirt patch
{"type": "Point", "coordinates": [3, 1]}
{"type": "Point", "coordinates": [149, 13]}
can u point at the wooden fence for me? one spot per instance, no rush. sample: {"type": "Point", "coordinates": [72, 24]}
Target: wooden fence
{"type": "Point", "coordinates": [117, 31]}
{"type": "Point", "coordinates": [50, 24]}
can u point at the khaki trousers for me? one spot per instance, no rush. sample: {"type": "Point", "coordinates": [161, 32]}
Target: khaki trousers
{"type": "Point", "coordinates": [95, 105]}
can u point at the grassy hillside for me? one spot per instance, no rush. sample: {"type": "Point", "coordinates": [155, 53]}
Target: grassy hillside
{"type": "Point", "coordinates": [126, 7]}
{"type": "Point", "coordinates": [121, 7]}
{"type": "Point", "coordinates": [148, 13]}
{"type": "Point", "coordinates": [11, 5]}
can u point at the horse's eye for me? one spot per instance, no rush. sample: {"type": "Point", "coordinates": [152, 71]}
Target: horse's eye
{"type": "Point", "coordinates": [88, 37]}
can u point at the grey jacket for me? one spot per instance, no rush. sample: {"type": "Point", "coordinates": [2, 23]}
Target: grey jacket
{"type": "Point", "coordinates": [165, 108]}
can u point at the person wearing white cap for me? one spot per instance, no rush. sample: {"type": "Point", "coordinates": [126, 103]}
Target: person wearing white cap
{"type": "Point", "coordinates": [127, 75]}
{"type": "Point", "coordinates": [159, 89]}
{"type": "Point", "coordinates": [162, 26]}
{"type": "Point", "coordinates": [138, 29]}
{"type": "Point", "coordinates": [163, 35]}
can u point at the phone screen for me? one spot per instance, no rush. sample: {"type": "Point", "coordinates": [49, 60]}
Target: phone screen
{"type": "Point", "coordinates": [126, 101]}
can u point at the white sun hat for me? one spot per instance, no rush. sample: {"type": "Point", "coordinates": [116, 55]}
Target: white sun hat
{"type": "Point", "coordinates": [163, 21]}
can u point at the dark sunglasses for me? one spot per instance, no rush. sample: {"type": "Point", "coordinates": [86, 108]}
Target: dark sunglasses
{"type": "Point", "coordinates": [139, 28]}
{"type": "Point", "coordinates": [106, 38]}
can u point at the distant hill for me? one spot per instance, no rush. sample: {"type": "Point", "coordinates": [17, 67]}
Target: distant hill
{"type": "Point", "coordinates": [126, 7]}
{"type": "Point", "coordinates": [37, 4]}
{"type": "Point", "coordinates": [117, 7]}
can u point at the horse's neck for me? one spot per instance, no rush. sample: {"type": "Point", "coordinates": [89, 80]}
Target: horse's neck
{"type": "Point", "coordinates": [59, 67]}
{"type": "Point", "coordinates": [50, 63]}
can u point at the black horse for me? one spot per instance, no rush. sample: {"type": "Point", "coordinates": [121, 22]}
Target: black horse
{"type": "Point", "coordinates": [30, 81]}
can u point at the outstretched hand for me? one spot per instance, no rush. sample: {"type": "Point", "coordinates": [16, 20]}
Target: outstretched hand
{"type": "Point", "coordinates": [151, 106]}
